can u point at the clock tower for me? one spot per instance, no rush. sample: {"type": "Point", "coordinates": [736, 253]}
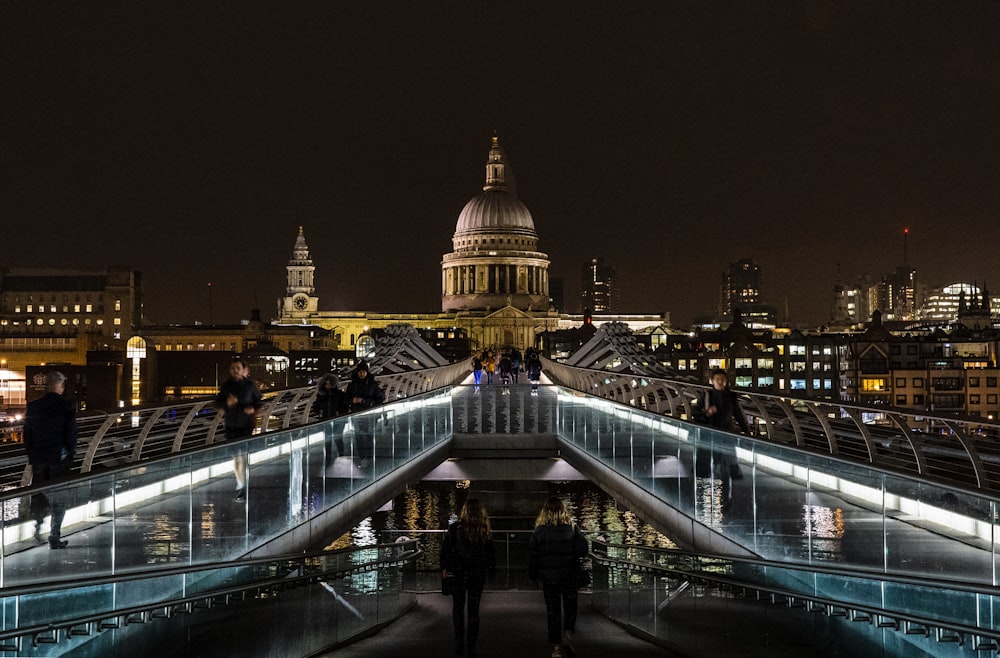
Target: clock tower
{"type": "Point", "coordinates": [300, 300]}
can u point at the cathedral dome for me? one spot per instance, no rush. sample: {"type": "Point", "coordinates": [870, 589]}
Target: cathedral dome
{"type": "Point", "coordinates": [494, 210]}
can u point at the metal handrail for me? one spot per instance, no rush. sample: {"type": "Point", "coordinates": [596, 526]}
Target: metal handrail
{"type": "Point", "coordinates": [943, 631]}
{"type": "Point", "coordinates": [949, 449]}
{"type": "Point", "coordinates": [309, 572]}
{"type": "Point", "coordinates": [109, 440]}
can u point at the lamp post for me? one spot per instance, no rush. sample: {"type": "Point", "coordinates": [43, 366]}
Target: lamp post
{"type": "Point", "coordinates": [3, 384]}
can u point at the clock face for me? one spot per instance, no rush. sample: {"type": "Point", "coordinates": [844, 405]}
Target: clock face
{"type": "Point", "coordinates": [300, 303]}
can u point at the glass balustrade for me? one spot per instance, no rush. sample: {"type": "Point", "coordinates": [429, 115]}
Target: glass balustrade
{"type": "Point", "coordinates": [184, 509]}
{"type": "Point", "coordinates": [787, 504]}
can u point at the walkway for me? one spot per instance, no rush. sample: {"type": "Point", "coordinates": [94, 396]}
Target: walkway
{"type": "Point", "coordinates": [513, 624]}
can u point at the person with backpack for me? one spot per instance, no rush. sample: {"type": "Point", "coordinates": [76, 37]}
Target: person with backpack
{"type": "Point", "coordinates": [467, 552]}
{"type": "Point", "coordinates": [515, 363]}
{"type": "Point", "coordinates": [534, 370]}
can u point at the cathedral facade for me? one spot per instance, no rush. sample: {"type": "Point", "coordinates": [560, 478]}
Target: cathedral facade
{"type": "Point", "coordinates": [494, 282]}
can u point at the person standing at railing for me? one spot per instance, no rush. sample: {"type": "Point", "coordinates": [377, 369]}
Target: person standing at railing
{"type": "Point", "coordinates": [467, 551]}
{"type": "Point", "coordinates": [554, 553]}
{"type": "Point", "coordinates": [240, 400]}
{"type": "Point", "coordinates": [50, 441]}
{"type": "Point", "coordinates": [363, 392]}
{"type": "Point", "coordinates": [330, 403]}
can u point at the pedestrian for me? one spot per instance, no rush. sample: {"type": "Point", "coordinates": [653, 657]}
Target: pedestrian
{"type": "Point", "coordinates": [722, 405]}
{"type": "Point", "coordinates": [363, 392]}
{"type": "Point", "coordinates": [477, 369]}
{"type": "Point", "coordinates": [515, 363]}
{"type": "Point", "coordinates": [505, 368]}
{"type": "Point", "coordinates": [330, 403]}
{"type": "Point", "coordinates": [50, 441]}
{"type": "Point", "coordinates": [489, 365]}
{"type": "Point", "coordinates": [554, 553]}
{"type": "Point", "coordinates": [240, 400]}
{"type": "Point", "coordinates": [467, 552]}
{"type": "Point", "coordinates": [723, 412]}
{"type": "Point", "coordinates": [533, 367]}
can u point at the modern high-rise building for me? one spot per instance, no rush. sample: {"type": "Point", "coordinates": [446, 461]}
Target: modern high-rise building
{"type": "Point", "coordinates": [599, 284]}
{"type": "Point", "coordinates": [741, 291]}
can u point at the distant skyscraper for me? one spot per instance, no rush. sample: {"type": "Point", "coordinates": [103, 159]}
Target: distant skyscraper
{"type": "Point", "coordinates": [556, 299]}
{"type": "Point", "coordinates": [740, 287]}
{"type": "Point", "coordinates": [600, 287]}
{"type": "Point", "coordinates": [741, 290]}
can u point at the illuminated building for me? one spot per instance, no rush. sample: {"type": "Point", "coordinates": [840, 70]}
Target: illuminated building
{"type": "Point", "coordinates": [599, 283]}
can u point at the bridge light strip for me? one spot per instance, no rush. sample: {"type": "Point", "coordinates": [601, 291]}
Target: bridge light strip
{"type": "Point", "coordinates": [879, 498]}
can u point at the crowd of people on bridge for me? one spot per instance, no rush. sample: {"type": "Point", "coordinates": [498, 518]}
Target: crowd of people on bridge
{"type": "Point", "coordinates": [507, 365]}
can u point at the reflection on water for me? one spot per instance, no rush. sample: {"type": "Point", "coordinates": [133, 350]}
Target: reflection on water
{"type": "Point", "coordinates": [823, 528]}
{"type": "Point", "coordinates": [161, 542]}
{"type": "Point", "coordinates": [512, 506]}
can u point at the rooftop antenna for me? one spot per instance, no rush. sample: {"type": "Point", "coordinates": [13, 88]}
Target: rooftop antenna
{"type": "Point", "coordinates": [906, 255]}
{"type": "Point", "coordinates": [211, 317]}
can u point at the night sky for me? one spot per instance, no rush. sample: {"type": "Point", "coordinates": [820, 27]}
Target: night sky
{"type": "Point", "coordinates": [190, 142]}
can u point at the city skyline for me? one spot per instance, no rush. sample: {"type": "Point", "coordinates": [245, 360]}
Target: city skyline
{"type": "Point", "coordinates": [190, 145]}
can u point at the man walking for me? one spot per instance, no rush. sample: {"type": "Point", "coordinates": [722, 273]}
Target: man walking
{"type": "Point", "coordinates": [50, 440]}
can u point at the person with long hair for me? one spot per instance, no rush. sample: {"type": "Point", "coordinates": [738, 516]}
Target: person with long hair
{"type": "Point", "coordinates": [467, 551]}
{"type": "Point", "coordinates": [554, 551]}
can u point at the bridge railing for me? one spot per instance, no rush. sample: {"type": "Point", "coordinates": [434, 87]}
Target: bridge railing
{"type": "Point", "coordinates": [667, 594]}
{"type": "Point", "coordinates": [108, 440]}
{"type": "Point", "coordinates": [946, 448]}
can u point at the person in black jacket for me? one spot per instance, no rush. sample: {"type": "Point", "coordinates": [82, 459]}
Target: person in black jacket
{"type": "Point", "coordinates": [50, 441]}
{"type": "Point", "coordinates": [554, 553]}
{"type": "Point", "coordinates": [722, 406]}
{"type": "Point", "coordinates": [240, 400]}
{"type": "Point", "coordinates": [467, 551]}
{"type": "Point", "coordinates": [330, 403]}
{"type": "Point", "coordinates": [363, 392]}
{"type": "Point", "coordinates": [723, 411]}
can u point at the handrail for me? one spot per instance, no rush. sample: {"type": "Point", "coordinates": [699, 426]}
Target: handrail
{"type": "Point", "coordinates": [107, 440]}
{"type": "Point", "coordinates": [943, 448]}
{"type": "Point", "coordinates": [909, 623]}
{"type": "Point", "coordinates": [815, 568]}
{"type": "Point", "coordinates": [307, 565]}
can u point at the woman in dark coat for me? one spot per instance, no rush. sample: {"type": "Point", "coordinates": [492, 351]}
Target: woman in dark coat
{"type": "Point", "coordinates": [467, 551]}
{"type": "Point", "coordinates": [554, 552]}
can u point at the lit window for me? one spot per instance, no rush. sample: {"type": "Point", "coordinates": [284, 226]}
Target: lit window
{"type": "Point", "coordinates": [100, 321]}
{"type": "Point", "coordinates": [118, 304]}
{"type": "Point", "coordinates": [798, 384]}
{"type": "Point", "coordinates": [17, 309]}
{"type": "Point", "coordinates": [29, 308]}
{"type": "Point", "coordinates": [64, 322]}
{"type": "Point", "coordinates": [118, 322]}
{"type": "Point", "coordinates": [90, 308]}
{"type": "Point", "coordinates": [52, 322]}
{"type": "Point", "coordinates": [76, 308]}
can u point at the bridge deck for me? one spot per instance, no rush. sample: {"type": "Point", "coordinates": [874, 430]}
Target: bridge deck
{"type": "Point", "coordinates": [513, 624]}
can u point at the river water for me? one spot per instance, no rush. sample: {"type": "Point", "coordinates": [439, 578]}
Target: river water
{"type": "Point", "coordinates": [424, 511]}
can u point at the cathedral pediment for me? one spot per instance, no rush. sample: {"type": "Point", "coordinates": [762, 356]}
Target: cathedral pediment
{"type": "Point", "coordinates": [508, 313]}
